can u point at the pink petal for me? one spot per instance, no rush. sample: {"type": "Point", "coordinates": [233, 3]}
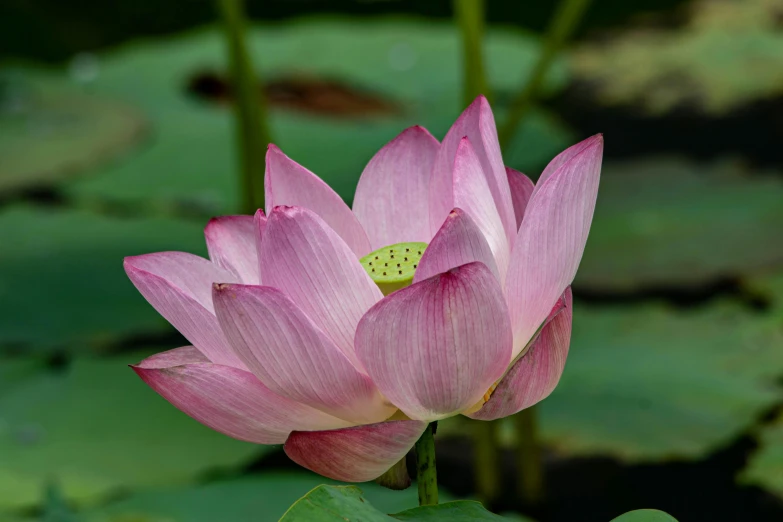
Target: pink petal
{"type": "Point", "coordinates": [391, 199]}
{"type": "Point", "coordinates": [288, 183]}
{"type": "Point", "coordinates": [533, 377]}
{"type": "Point", "coordinates": [179, 286]}
{"type": "Point", "coordinates": [313, 266]}
{"type": "Point", "coordinates": [521, 190]}
{"type": "Point", "coordinates": [435, 347]}
{"type": "Point", "coordinates": [551, 241]}
{"type": "Point", "coordinates": [291, 356]}
{"type": "Point", "coordinates": [355, 454]}
{"type": "Point", "coordinates": [472, 194]}
{"type": "Point", "coordinates": [567, 155]}
{"type": "Point", "coordinates": [232, 242]}
{"type": "Point", "coordinates": [477, 124]}
{"type": "Point", "coordinates": [458, 242]}
{"type": "Point", "coordinates": [260, 223]}
{"type": "Point", "coordinates": [227, 399]}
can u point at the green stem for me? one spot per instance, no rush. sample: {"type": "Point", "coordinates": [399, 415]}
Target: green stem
{"type": "Point", "coordinates": [249, 107]}
{"type": "Point", "coordinates": [486, 460]}
{"type": "Point", "coordinates": [470, 18]}
{"type": "Point", "coordinates": [531, 476]}
{"type": "Point", "coordinates": [426, 473]}
{"type": "Point", "coordinates": [562, 25]}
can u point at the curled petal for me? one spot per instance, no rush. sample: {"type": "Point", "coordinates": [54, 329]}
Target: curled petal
{"type": "Point", "coordinates": [435, 347]}
{"type": "Point", "coordinates": [291, 356]}
{"type": "Point", "coordinates": [232, 242]}
{"type": "Point", "coordinates": [471, 193]}
{"type": "Point", "coordinates": [227, 399]}
{"type": "Point", "coordinates": [288, 183]}
{"type": "Point", "coordinates": [391, 199]}
{"type": "Point", "coordinates": [521, 190]}
{"type": "Point", "coordinates": [179, 287]}
{"type": "Point", "coordinates": [535, 375]}
{"type": "Point", "coordinates": [477, 124]}
{"type": "Point", "coordinates": [356, 454]}
{"type": "Point", "coordinates": [314, 267]}
{"type": "Point", "coordinates": [458, 242]}
{"type": "Point", "coordinates": [551, 240]}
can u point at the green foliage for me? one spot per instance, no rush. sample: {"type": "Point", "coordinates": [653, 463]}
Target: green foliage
{"type": "Point", "coordinates": [635, 376]}
{"type": "Point", "coordinates": [668, 222]}
{"type": "Point", "coordinates": [96, 429]}
{"type": "Point", "coordinates": [63, 285]}
{"type": "Point", "coordinates": [645, 515]}
{"type": "Point", "coordinates": [765, 466]}
{"type": "Point", "coordinates": [411, 67]}
{"type": "Point", "coordinates": [49, 130]}
{"type": "Point", "coordinates": [729, 53]}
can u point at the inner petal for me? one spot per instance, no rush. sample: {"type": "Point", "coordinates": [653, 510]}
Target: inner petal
{"type": "Point", "coordinates": [392, 267]}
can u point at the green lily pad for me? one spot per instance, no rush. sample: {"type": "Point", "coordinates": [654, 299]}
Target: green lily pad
{"type": "Point", "coordinates": [667, 222]}
{"type": "Point", "coordinates": [726, 55]}
{"type": "Point", "coordinates": [765, 465]}
{"type": "Point", "coordinates": [650, 383]}
{"type": "Point", "coordinates": [645, 515]}
{"type": "Point", "coordinates": [411, 66]}
{"type": "Point", "coordinates": [259, 497]}
{"type": "Point", "coordinates": [347, 504]}
{"type": "Point", "coordinates": [49, 131]}
{"type": "Point", "coordinates": [62, 283]}
{"type": "Point", "coordinates": [95, 429]}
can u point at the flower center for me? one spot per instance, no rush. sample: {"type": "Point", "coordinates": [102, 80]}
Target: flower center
{"type": "Point", "coordinates": [392, 267]}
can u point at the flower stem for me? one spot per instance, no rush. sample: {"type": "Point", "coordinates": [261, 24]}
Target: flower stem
{"type": "Point", "coordinates": [486, 460]}
{"type": "Point", "coordinates": [470, 18]}
{"type": "Point", "coordinates": [531, 478]}
{"type": "Point", "coordinates": [249, 107]}
{"type": "Point", "coordinates": [426, 473]}
{"type": "Point", "coordinates": [562, 25]}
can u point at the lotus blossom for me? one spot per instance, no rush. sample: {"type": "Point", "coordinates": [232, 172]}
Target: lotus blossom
{"type": "Point", "coordinates": [342, 333]}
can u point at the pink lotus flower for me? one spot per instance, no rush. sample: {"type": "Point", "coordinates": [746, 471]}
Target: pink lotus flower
{"type": "Point", "coordinates": [294, 341]}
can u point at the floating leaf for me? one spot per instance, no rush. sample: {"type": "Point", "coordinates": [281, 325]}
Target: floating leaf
{"type": "Point", "coordinates": [260, 497]}
{"type": "Point", "coordinates": [49, 131]}
{"type": "Point", "coordinates": [645, 515]}
{"type": "Point", "coordinates": [62, 283]}
{"type": "Point", "coordinates": [347, 504]}
{"type": "Point", "coordinates": [726, 55]}
{"type": "Point", "coordinates": [635, 377]}
{"type": "Point", "coordinates": [672, 223]}
{"type": "Point", "coordinates": [411, 68]}
{"type": "Point", "coordinates": [96, 429]}
{"type": "Point", "coordinates": [765, 465]}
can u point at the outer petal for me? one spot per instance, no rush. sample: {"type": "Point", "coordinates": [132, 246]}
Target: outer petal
{"type": "Point", "coordinates": [521, 190]}
{"type": "Point", "coordinates": [355, 454]}
{"type": "Point", "coordinates": [227, 399]}
{"type": "Point", "coordinates": [392, 197]}
{"type": "Point", "coordinates": [472, 194]}
{"type": "Point", "coordinates": [291, 356]}
{"type": "Point", "coordinates": [260, 223]}
{"type": "Point", "coordinates": [551, 241]}
{"type": "Point", "coordinates": [312, 265]}
{"type": "Point", "coordinates": [458, 242]}
{"type": "Point", "coordinates": [533, 377]}
{"type": "Point", "coordinates": [179, 287]}
{"type": "Point", "coordinates": [567, 155]}
{"type": "Point", "coordinates": [435, 347]}
{"type": "Point", "coordinates": [288, 183]}
{"type": "Point", "coordinates": [232, 242]}
{"type": "Point", "coordinates": [478, 124]}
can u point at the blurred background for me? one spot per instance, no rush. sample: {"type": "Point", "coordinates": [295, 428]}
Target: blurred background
{"type": "Point", "coordinates": [116, 139]}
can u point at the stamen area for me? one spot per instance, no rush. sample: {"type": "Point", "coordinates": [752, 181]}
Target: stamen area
{"type": "Point", "coordinates": [392, 267]}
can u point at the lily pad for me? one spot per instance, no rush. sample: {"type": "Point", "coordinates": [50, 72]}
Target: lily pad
{"type": "Point", "coordinates": [668, 222]}
{"type": "Point", "coordinates": [261, 497]}
{"type": "Point", "coordinates": [62, 284]}
{"type": "Point", "coordinates": [95, 429]}
{"type": "Point", "coordinates": [651, 383]}
{"type": "Point", "coordinates": [50, 130]}
{"type": "Point", "coordinates": [347, 504]}
{"type": "Point", "coordinates": [727, 54]}
{"type": "Point", "coordinates": [645, 515]}
{"type": "Point", "coordinates": [413, 66]}
{"type": "Point", "coordinates": [765, 465]}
